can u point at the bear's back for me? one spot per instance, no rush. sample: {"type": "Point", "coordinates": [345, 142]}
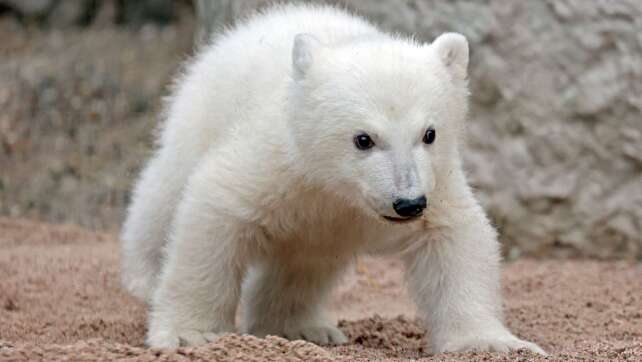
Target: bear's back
{"type": "Point", "coordinates": [277, 26]}
{"type": "Point", "coordinates": [242, 75]}
{"type": "Point", "coordinates": [258, 51]}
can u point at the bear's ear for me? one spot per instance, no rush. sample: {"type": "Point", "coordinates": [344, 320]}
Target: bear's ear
{"type": "Point", "coordinates": [305, 45]}
{"type": "Point", "coordinates": [452, 49]}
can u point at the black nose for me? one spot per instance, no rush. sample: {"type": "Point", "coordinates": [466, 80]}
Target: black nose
{"type": "Point", "coordinates": [410, 207]}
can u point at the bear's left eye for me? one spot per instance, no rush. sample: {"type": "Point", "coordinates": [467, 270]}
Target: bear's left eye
{"type": "Point", "coordinates": [430, 135]}
{"type": "Point", "coordinates": [363, 141]}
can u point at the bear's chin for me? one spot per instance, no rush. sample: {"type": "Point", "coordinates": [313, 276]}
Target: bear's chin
{"type": "Point", "coordinates": [399, 220]}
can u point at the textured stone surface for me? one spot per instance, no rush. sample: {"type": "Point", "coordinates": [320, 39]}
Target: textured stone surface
{"type": "Point", "coordinates": [71, 13]}
{"type": "Point", "coordinates": [77, 114]}
{"type": "Point", "coordinates": [555, 146]}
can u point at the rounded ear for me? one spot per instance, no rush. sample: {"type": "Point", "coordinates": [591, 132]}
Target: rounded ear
{"type": "Point", "coordinates": [305, 45]}
{"type": "Point", "coordinates": [452, 49]}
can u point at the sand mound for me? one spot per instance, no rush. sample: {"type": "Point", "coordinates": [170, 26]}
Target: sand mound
{"type": "Point", "coordinates": [60, 298]}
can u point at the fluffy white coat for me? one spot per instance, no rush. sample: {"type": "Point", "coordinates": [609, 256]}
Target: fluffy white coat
{"type": "Point", "coordinates": [257, 186]}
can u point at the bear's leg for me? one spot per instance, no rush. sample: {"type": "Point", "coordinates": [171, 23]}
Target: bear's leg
{"type": "Point", "coordinates": [285, 300]}
{"type": "Point", "coordinates": [454, 275]}
{"type": "Point", "coordinates": [199, 287]}
{"type": "Point", "coordinates": [144, 233]}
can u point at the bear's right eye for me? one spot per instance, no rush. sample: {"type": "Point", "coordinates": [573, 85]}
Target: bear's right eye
{"type": "Point", "coordinates": [363, 142]}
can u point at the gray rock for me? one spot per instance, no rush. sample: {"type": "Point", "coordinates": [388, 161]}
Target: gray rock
{"type": "Point", "coordinates": [69, 13]}
{"type": "Point", "coordinates": [58, 14]}
{"type": "Point", "coordinates": [141, 11]}
{"type": "Point", "coordinates": [29, 8]}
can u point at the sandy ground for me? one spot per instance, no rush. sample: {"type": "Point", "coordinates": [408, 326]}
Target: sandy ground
{"type": "Point", "coordinates": [60, 298]}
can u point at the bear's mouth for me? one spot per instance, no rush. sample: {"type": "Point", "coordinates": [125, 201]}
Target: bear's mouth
{"type": "Point", "coordinates": [402, 220]}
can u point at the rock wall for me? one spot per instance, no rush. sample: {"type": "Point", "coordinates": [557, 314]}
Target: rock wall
{"type": "Point", "coordinates": [555, 147]}
{"type": "Point", "coordinates": [78, 108]}
{"type": "Point", "coordinates": [555, 131]}
{"type": "Point", "coordinates": [77, 13]}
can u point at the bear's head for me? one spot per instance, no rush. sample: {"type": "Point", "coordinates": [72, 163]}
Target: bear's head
{"type": "Point", "coordinates": [377, 120]}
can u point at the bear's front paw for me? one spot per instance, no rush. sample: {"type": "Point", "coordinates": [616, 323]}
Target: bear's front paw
{"type": "Point", "coordinates": [167, 338]}
{"type": "Point", "coordinates": [322, 335]}
{"type": "Point", "coordinates": [502, 342]}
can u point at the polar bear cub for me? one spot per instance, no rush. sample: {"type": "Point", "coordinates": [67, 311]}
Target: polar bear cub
{"type": "Point", "coordinates": [294, 142]}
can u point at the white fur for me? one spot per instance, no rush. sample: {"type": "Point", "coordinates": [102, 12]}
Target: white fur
{"type": "Point", "coordinates": [257, 185]}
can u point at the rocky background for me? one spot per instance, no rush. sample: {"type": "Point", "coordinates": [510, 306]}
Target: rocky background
{"type": "Point", "coordinates": [555, 146]}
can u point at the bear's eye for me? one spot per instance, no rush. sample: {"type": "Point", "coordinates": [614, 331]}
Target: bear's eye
{"type": "Point", "coordinates": [430, 135]}
{"type": "Point", "coordinates": [363, 142]}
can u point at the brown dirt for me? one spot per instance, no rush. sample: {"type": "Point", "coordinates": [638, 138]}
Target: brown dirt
{"type": "Point", "coordinates": [60, 299]}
